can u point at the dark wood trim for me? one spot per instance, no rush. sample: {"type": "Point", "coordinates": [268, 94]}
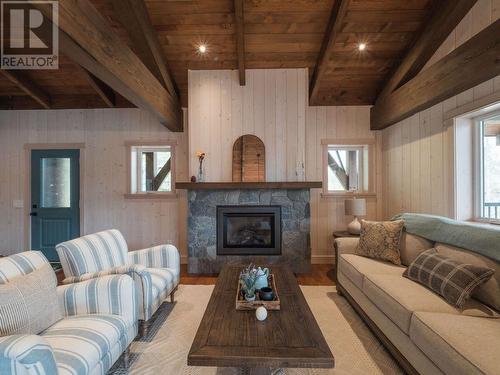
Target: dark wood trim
{"type": "Point", "coordinates": [444, 17]}
{"type": "Point", "coordinates": [472, 63]}
{"type": "Point", "coordinates": [134, 17]}
{"type": "Point", "coordinates": [248, 185]}
{"type": "Point", "coordinates": [105, 92]}
{"type": "Point", "coordinates": [333, 29]}
{"type": "Point", "coordinates": [86, 37]}
{"type": "Point", "coordinates": [400, 358]}
{"type": "Point", "coordinates": [28, 86]}
{"type": "Point", "coordinates": [240, 39]}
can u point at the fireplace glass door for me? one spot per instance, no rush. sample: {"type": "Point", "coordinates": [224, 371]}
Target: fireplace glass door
{"type": "Point", "coordinates": [248, 230]}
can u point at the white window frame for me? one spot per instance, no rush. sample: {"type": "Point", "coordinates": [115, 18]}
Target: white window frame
{"type": "Point", "coordinates": [134, 168]}
{"type": "Point", "coordinates": [366, 163]}
{"type": "Point", "coordinates": [479, 168]}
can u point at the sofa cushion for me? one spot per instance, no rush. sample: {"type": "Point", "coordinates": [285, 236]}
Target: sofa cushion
{"type": "Point", "coordinates": [28, 304]}
{"type": "Point", "coordinates": [163, 280]}
{"type": "Point", "coordinates": [452, 280]}
{"type": "Point", "coordinates": [81, 342]}
{"type": "Point", "coordinates": [399, 297]}
{"type": "Point", "coordinates": [488, 293]}
{"type": "Point", "coordinates": [380, 240]}
{"type": "Point", "coordinates": [356, 266]}
{"type": "Point", "coordinates": [412, 246]}
{"type": "Point", "coordinates": [458, 344]}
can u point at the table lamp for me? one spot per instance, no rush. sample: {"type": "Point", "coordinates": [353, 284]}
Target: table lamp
{"type": "Point", "coordinates": [355, 207]}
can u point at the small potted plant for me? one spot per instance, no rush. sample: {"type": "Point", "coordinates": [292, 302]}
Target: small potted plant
{"type": "Point", "coordinates": [248, 279]}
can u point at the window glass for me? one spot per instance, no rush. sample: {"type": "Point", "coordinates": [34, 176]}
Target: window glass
{"type": "Point", "coordinates": [345, 168]}
{"type": "Point", "coordinates": [490, 146]}
{"type": "Point", "coordinates": [153, 169]}
{"type": "Point", "coordinates": [56, 182]}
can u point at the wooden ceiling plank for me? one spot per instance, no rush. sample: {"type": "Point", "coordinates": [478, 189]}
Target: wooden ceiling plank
{"type": "Point", "coordinates": [333, 29]}
{"type": "Point", "coordinates": [105, 92]}
{"type": "Point", "coordinates": [470, 64]}
{"type": "Point", "coordinates": [240, 39]}
{"type": "Point", "coordinates": [86, 38]}
{"type": "Point", "coordinates": [445, 16]}
{"type": "Point", "coordinates": [134, 17]}
{"type": "Point", "coordinates": [28, 86]}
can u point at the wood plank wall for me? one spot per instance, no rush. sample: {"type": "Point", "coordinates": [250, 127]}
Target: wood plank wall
{"type": "Point", "coordinates": [418, 152]}
{"type": "Point", "coordinates": [104, 132]}
{"type": "Point", "coordinates": [327, 213]}
{"type": "Point", "coordinates": [273, 106]}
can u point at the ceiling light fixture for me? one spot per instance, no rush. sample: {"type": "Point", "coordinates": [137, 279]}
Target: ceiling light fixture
{"type": "Point", "coordinates": [202, 48]}
{"type": "Point", "coordinates": [362, 46]}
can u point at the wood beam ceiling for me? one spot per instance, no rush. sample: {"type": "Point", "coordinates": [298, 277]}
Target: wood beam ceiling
{"type": "Point", "coordinates": [472, 63]}
{"type": "Point", "coordinates": [134, 17]}
{"type": "Point", "coordinates": [333, 29]}
{"type": "Point", "coordinates": [240, 39]}
{"type": "Point", "coordinates": [29, 87]}
{"type": "Point", "coordinates": [445, 16]}
{"type": "Point", "coordinates": [105, 92]}
{"type": "Point", "coordinates": [86, 37]}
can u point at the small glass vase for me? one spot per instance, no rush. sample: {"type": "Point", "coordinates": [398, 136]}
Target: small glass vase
{"type": "Point", "coordinates": [201, 174]}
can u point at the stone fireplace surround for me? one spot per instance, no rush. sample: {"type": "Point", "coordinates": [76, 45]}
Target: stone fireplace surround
{"type": "Point", "coordinates": [203, 199]}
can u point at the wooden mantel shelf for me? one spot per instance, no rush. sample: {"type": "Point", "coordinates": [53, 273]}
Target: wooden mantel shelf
{"type": "Point", "coordinates": [248, 185]}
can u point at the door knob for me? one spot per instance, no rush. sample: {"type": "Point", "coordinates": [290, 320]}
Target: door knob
{"type": "Point", "coordinates": [33, 214]}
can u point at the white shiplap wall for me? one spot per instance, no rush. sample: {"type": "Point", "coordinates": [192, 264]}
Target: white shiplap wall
{"type": "Point", "coordinates": [327, 213]}
{"type": "Point", "coordinates": [104, 132]}
{"type": "Point", "coordinates": [271, 106]}
{"type": "Point", "coordinates": [418, 152]}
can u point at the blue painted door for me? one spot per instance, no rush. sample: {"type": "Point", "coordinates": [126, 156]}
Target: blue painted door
{"type": "Point", "coordinates": [55, 199]}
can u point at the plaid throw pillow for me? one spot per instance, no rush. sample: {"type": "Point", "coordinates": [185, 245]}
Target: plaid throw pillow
{"type": "Point", "coordinates": [452, 280]}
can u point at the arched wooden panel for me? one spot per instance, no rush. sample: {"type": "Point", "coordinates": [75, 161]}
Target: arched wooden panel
{"type": "Point", "coordinates": [249, 159]}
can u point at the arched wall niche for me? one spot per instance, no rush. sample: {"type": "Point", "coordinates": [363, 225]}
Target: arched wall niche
{"type": "Point", "coordinates": [249, 159]}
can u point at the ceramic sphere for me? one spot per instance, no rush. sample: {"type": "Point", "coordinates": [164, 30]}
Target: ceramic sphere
{"type": "Point", "coordinates": [261, 313]}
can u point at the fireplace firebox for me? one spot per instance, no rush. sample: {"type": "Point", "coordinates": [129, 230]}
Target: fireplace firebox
{"type": "Point", "coordinates": [248, 230]}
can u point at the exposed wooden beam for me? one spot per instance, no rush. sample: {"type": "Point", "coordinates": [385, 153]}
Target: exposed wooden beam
{"type": "Point", "coordinates": [333, 29]}
{"type": "Point", "coordinates": [134, 17]}
{"type": "Point", "coordinates": [105, 92]}
{"type": "Point", "coordinates": [240, 39]}
{"type": "Point", "coordinates": [472, 63]}
{"type": "Point", "coordinates": [29, 87]}
{"type": "Point", "coordinates": [445, 16]}
{"type": "Point", "coordinates": [86, 37]}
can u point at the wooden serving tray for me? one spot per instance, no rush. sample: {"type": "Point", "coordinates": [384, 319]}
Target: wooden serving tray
{"type": "Point", "coordinates": [243, 304]}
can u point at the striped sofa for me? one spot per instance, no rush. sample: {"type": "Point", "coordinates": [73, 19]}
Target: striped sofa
{"type": "Point", "coordinates": [99, 322]}
{"type": "Point", "coordinates": [155, 270]}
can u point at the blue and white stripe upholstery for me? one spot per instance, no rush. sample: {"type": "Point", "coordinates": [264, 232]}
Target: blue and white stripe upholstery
{"type": "Point", "coordinates": [100, 322]}
{"type": "Point", "coordinates": [93, 253]}
{"type": "Point", "coordinates": [26, 355]}
{"type": "Point", "coordinates": [155, 270]}
{"type": "Point", "coordinates": [20, 264]}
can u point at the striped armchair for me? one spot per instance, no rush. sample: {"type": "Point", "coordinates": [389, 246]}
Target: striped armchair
{"type": "Point", "coordinates": [155, 270]}
{"type": "Point", "coordinates": [99, 323]}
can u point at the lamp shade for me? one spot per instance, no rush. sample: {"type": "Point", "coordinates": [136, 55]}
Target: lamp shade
{"type": "Point", "coordinates": [355, 207]}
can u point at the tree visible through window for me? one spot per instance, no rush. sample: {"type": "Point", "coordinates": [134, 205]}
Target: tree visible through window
{"type": "Point", "coordinates": [347, 168]}
{"type": "Point", "coordinates": [151, 169]}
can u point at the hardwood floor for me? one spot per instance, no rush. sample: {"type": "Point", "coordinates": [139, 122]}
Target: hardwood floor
{"type": "Point", "coordinates": [321, 274]}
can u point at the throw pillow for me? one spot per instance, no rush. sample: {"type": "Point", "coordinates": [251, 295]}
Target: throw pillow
{"type": "Point", "coordinates": [28, 304]}
{"type": "Point", "coordinates": [381, 240]}
{"type": "Point", "coordinates": [452, 280]}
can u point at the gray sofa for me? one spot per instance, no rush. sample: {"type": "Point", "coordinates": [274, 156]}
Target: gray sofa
{"type": "Point", "coordinates": [422, 331]}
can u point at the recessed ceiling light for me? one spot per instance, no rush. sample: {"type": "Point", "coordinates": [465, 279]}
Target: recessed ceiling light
{"type": "Point", "coordinates": [202, 48]}
{"type": "Point", "coordinates": [362, 46]}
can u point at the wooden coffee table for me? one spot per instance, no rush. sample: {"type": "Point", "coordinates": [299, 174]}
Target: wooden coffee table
{"type": "Point", "coordinates": [287, 338]}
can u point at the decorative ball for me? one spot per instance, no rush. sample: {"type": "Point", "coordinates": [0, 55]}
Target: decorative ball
{"type": "Point", "coordinates": [261, 313]}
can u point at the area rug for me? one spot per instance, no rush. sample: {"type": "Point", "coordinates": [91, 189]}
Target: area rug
{"type": "Point", "coordinates": [164, 350]}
